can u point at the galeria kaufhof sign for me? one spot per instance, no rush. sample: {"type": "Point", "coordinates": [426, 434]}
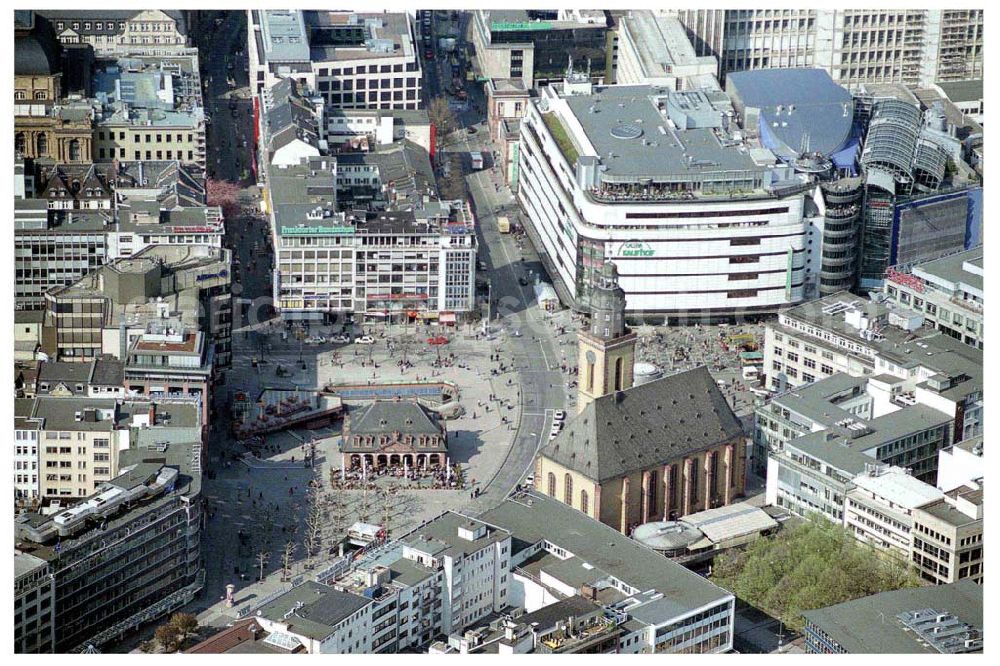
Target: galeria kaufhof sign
{"type": "Point", "coordinates": [636, 249]}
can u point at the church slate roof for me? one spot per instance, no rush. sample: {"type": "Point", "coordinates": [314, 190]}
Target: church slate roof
{"type": "Point", "coordinates": [645, 426]}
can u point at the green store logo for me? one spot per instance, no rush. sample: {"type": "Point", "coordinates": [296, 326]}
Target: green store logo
{"type": "Point", "coordinates": [636, 249]}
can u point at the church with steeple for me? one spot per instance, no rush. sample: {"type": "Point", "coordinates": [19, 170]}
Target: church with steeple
{"type": "Point", "coordinates": [606, 346]}
{"type": "Point", "coordinates": [631, 455]}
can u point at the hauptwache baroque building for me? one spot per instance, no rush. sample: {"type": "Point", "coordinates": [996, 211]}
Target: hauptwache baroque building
{"type": "Point", "coordinates": [657, 451]}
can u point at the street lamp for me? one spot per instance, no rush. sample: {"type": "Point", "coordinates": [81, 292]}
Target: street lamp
{"type": "Point", "coordinates": [489, 304]}
{"type": "Point", "coordinates": [300, 334]}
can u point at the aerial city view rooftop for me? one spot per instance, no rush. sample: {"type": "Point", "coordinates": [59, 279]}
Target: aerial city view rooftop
{"type": "Point", "coordinates": [498, 331]}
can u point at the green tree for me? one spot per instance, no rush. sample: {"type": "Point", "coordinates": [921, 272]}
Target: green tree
{"type": "Point", "coordinates": [167, 638]}
{"type": "Point", "coordinates": [811, 565]}
{"type": "Point", "coordinates": [185, 624]}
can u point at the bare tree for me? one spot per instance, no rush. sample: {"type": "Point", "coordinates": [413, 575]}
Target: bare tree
{"type": "Point", "coordinates": [263, 557]}
{"type": "Point", "coordinates": [441, 115]}
{"type": "Point", "coordinates": [287, 559]}
{"type": "Point", "coordinates": [388, 502]}
{"type": "Point", "coordinates": [314, 519]}
{"type": "Point", "coordinates": [266, 524]}
{"type": "Point", "coordinates": [364, 511]}
{"type": "Point", "coordinates": [337, 511]}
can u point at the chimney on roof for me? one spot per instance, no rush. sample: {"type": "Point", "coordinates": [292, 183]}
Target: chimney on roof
{"type": "Point", "coordinates": [152, 413]}
{"type": "Point", "coordinates": [619, 397]}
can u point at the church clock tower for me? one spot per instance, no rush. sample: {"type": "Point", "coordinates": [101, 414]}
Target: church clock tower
{"type": "Point", "coordinates": [606, 346]}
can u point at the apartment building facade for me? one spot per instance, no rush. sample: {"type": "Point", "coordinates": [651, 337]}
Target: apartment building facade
{"type": "Point", "coordinates": [78, 443]}
{"type": "Point", "coordinates": [26, 452]}
{"type": "Point", "coordinates": [947, 292]}
{"type": "Point", "coordinates": [814, 472]}
{"type": "Point", "coordinates": [118, 32]}
{"type": "Point", "coordinates": [947, 536]}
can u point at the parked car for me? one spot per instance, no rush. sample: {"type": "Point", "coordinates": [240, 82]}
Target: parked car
{"type": "Point", "coordinates": [364, 340]}
{"type": "Point", "coordinates": [340, 339]}
{"type": "Point", "coordinates": [437, 340]}
{"type": "Point", "coordinates": [530, 479]}
{"type": "Point", "coordinates": [559, 416]}
{"type": "Point", "coordinates": [481, 265]}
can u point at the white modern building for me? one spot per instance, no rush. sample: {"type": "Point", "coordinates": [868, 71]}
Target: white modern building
{"type": "Point", "coordinates": [474, 558]}
{"type": "Point", "coordinates": [26, 455]}
{"type": "Point", "coordinates": [654, 49]}
{"type": "Point", "coordinates": [352, 60]}
{"type": "Point", "coordinates": [960, 463]}
{"type": "Point", "coordinates": [699, 223]}
{"type": "Point", "coordinates": [909, 46]}
{"type": "Point", "coordinates": [319, 620]}
{"type": "Point", "coordinates": [442, 577]}
{"type": "Point", "coordinates": [879, 508]}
